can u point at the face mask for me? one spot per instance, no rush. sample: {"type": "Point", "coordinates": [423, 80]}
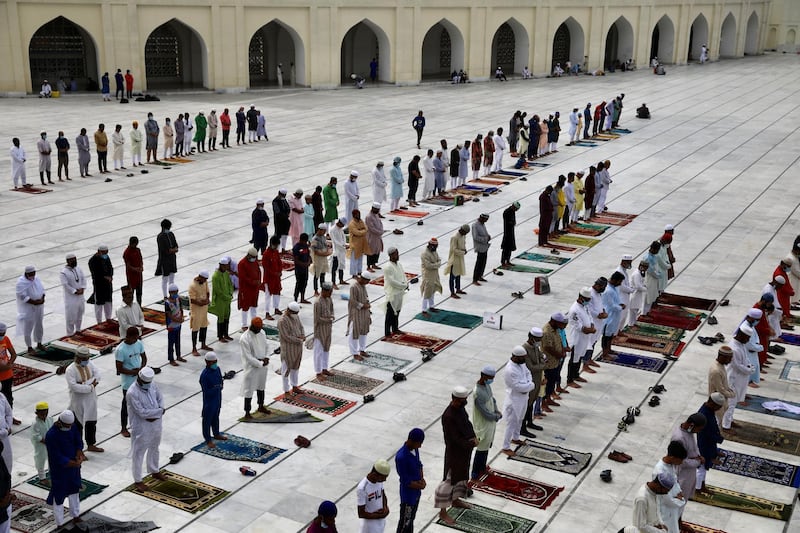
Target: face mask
{"type": "Point", "coordinates": [585, 303]}
{"type": "Point", "coordinates": [642, 272]}
{"type": "Point", "coordinates": [626, 268]}
{"type": "Point", "coordinates": [144, 386]}
{"type": "Point", "coordinates": [104, 256]}
{"type": "Point", "coordinates": [251, 259]}
{"type": "Point", "coordinates": [44, 137]}
{"type": "Point", "coordinates": [785, 268]}
{"type": "Point", "coordinates": [489, 381]}
{"type": "Point", "coordinates": [83, 363]}
{"type": "Point", "coordinates": [214, 366]}
{"type": "Point", "coordinates": [65, 428]}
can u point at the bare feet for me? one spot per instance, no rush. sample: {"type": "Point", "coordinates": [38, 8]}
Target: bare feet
{"type": "Point", "coordinates": [510, 453]}
{"type": "Point", "coordinates": [95, 449]}
{"type": "Point", "coordinates": [211, 444]}
{"type": "Point", "coordinates": [446, 518]}
{"type": "Point", "coordinates": [220, 437]}
{"type": "Point", "coordinates": [195, 353]}
{"type": "Point", "coordinates": [460, 504]}
{"type": "Point", "coordinates": [141, 487]}
{"type": "Point", "coordinates": [327, 372]}
{"type": "Point", "coordinates": [159, 476]}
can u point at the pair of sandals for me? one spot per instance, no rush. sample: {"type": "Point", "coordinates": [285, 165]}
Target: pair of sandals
{"type": "Point", "coordinates": [427, 355]}
{"type": "Point", "coordinates": [708, 341]}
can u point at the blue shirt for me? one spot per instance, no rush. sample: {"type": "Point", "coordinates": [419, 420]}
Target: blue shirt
{"type": "Point", "coordinates": [409, 468]}
{"type": "Point", "coordinates": [131, 357]}
{"type": "Point", "coordinates": [613, 307]}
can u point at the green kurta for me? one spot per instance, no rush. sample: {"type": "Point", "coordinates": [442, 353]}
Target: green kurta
{"type": "Point", "coordinates": [200, 128]}
{"type": "Point", "coordinates": [330, 198]}
{"type": "Point", "coordinates": [221, 295]}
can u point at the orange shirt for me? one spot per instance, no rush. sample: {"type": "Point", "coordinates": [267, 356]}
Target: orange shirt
{"type": "Point", "coordinates": [5, 358]}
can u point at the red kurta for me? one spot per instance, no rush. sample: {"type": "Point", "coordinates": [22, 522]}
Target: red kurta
{"type": "Point", "coordinates": [784, 292]}
{"type": "Point", "coordinates": [249, 283]}
{"type": "Point", "coordinates": [762, 329]}
{"type": "Point", "coordinates": [133, 257]}
{"type": "Point", "coordinates": [273, 268]}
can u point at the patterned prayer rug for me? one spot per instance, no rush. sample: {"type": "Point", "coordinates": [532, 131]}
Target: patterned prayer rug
{"type": "Point", "coordinates": [691, 302]}
{"type": "Point", "coordinates": [88, 488]}
{"type": "Point", "coordinates": [181, 160]}
{"type": "Point", "coordinates": [543, 258]}
{"type": "Point", "coordinates": [410, 214]}
{"type": "Point", "coordinates": [270, 331]}
{"type": "Point", "coordinates": [791, 371]}
{"type": "Point", "coordinates": [649, 344]}
{"type": "Point", "coordinates": [676, 310]}
{"type": "Point", "coordinates": [745, 503]}
{"type": "Point", "coordinates": [552, 457]}
{"type": "Point", "coordinates": [669, 320]}
{"type": "Point", "coordinates": [316, 401]}
{"type": "Point", "coordinates": [32, 190]}
{"type": "Point", "coordinates": [489, 181]}
{"type": "Point", "coordinates": [156, 316]}
{"type": "Point", "coordinates": [452, 318]}
{"type": "Point", "coordinates": [587, 144]}
{"type": "Point", "coordinates": [577, 230]}
{"type": "Point", "coordinates": [640, 362]}
{"type": "Point", "coordinates": [600, 219]}
{"type": "Point", "coordinates": [56, 355]}
{"type": "Point", "coordinates": [30, 514]}
{"type": "Point", "coordinates": [379, 280]}
{"type": "Point", "coordinates": [389, 363]}
{"type": "Point", "coordinates": [766, 437]}
{"type": "Point", "coordinates": [655, 330]}
{"type": "Point", "coordinates": [287, 261]}
{"type": "Point", "coordinates": [416, 340]}
{"type": "Point", "coordinates": [92, 340]}
{"type": "Point", "coordinates": [481, 519]}
{"type": "Point", "coordinates": [789, 338]}
{"type": "Point", "coordinates": [577, 241]}
{"type": "Point", "coordinates": [24, 374]}
{"type": "Point", "coordinates": [755, 404]}
{"type": "Point", "coordinates": [759, 468]}
{"type": "Point", "coordinates": [562, 247]}
{"type": "Point", "coordinates": [586, 225]}
{"type": "Point", "coordinates": [276, 416]}
{"type": "Point", "coordinates": [111, 327]}
{"type": "Point", "coordinates": [92, 522]}
{"type": "Point", "coordinates": [240, 449]}
{"type": "Point", "coordinates": [701, 529]}
{"type": "Point", "coordinates": [528, 269]}
{"type": "Point", "coordinates": [623, 131]}
{"type": "Point", "coordinates": [440, 200]}
{"type": "Point", "coordinates": [181, 492]}
{"type": "Point", "coordinates": [527, 491]}
{"type": "Point", "coordinates": [348, 382]}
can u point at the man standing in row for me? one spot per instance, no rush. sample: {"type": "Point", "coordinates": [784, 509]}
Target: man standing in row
{"type": "Point", "coordinates": [64, 455]}
{"type": "Point", "coordinates": [359, 316]}
{"type": "Point", "coordinates": [259, 223]}
{"type": "Point", "coordinates": [146, 409]}
{"type": "Point", "coordinates": [199, 298]}
{"type": "Point", "coordinates": [74, 284]}
{"type": "Point", "coordinates": [292, 336]}
{"type": "Point", "coordinates": [62, 149]}
{"type": "Point", "coordinates": [431, 284]}
{"type": "Point", "coordinates": [101, 145]}
{"type": "Point", "coordinates": [211, 384]}
{"type": "Point", "coordinates": [84, 154]}
{"type": "Point", "coordinates": [45, 161]}
{"type": "Point", "coordinates": [167, 265]}
{"type": "Point", "coordinates": [351, 195]}
{"type": "Point", "coordinates": [459, 439]}
{"type": "Point", "coordinates": [509, 242]}
{"type": "Point", "coordinates": [82, 377]}
{"type": "Point", "coordinates": [519, 383]}
{"type": "Point", "coordinates": [30, 308]}
{"type": "Point", "coordinates": [330, 199]}
{"type": "Point", "coordinates": [395, 285]}
{"type": "Point", "coordinates": [485, 416]}
{"type": "Point", "coordinates": [221, 298]}
{"type": "Point", "coordinates": [249, 286]}
{"type": "Point", "coordinates": [281, 213]}
{"type": "Point", "coordinates": [255, 360]}
{"type": "Point", "coordinates": [102, 273]}
{"type": "Point", "coordinates": [323, 330]}
{"type": "Point", "coordinates": [480, 241]}
{"type": "Point", "coordinates": [374, 236]}
{"type": "Point", "coordinates": [151, 130]}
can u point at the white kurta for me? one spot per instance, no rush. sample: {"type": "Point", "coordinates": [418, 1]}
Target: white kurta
{"type": "Point", "coordinates": [18, 164]}
{"type": "Point", "coordinates": [774, 318]}
{"type": "Point", "coordinates": [394, 284]}
{"type": "Point", "coordinates": [145, 435]}
{"type": "Point", "coordinates": [118, 140]}
{"type": "Point", "coordinates": [82, 394]}
{"type": "Point", "coordinates": [72, 280]}
{"type": "Point", "coordinates": [339, 244]}
{"type": "Point", "coordinates": [254, 349]}
{"type": "Point", "coordinates": [625, 291]}
{"type": "Point", "coordinates": [596, 307]}
{"type": "Point", "coordinates": [378, 185]}
{"type": "Point", "coordinates": [739, 370]}
{"type": "Point", "coordinates": [639, 285]}
{"type": "Point", "coordinates": [794, 277]}
{"type": "Point", "coordinates": [6, 421]}
{"type": "Point", "coordinates": [519, 383]}
{"type": "Point", "coordinates": [30, 317]}
{"type": "Point", "coordinates": [430, 179]}
{"type": "Point", "coordinates": [578, 319]}
{"type": "Point", "coordinates": [130, 316]}
{"type": "Point", "coordinates": [500, 148]}
{"type": "Point", "coordinates": [351, 195]}
{"type": "Point", "coordinates": [669, 505]}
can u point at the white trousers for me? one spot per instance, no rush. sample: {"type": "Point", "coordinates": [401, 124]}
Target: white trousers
{"type": "Point", "coordinates": [73, 314]}
{"type": "Point", "coordinates": [167, 150]}
{"type": "Point", "coordinates": [140, 447]}
{"type": "Point", "coordinates": [357, 344]}
{"type": "Point", "coordinates": [736, 383]}
{"type": "Point", "coordinates": [100, 309]}
{"type": "Point", "coordinates": [573, 213]}
{"type": "Point", "coordinates": [356, 264]}
{"type": "Point", "coordinates": [165, 281]}
{"type": "Point", "coordinates": [512, 414]}
{"type": "Point", "coordinates": [485, 170]}
{"type": "Point", "coordinates": [271, 301]}
{"type": "Point", "coordinates": [633, 315]}
{"type": "Point", "coordinates": [553, 146]}
{"type": "Point", "coordinates": [395, 204]}
{"type": "Point", "coordinates": [498, 160]}
{"type": "Point", "coordinates": [321, 357]}
{"type": "Point", "coordinates": [427, 303]}
{"type": "Point", "coordinates": [701, 477]}
{"type": "Point", "coordinates": [289, 378]}
{"type": "Point", "coordinates": [118, 163]}
{"type": "Point", "coordinates": [248, 315]}
{"type": "Point", "coordinates": [58, 510]}
{"type": "Point", "coordinates": [187, 142]}
{"type": "Point", "coordinates": [601, 199]}
{"type": "Point", "coordinates": [32, 325]}
{"type": "Point", "coordinates": [284, 238]}
{"type": "Point", "coordinates": [136, 158]}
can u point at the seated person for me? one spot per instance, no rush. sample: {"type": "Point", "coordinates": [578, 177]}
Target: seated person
{"type": "Point", "coordinates": [526, 73]}
{"type": "Point", "coordinates": [455, 77]}
{"type": "Point", "coordinates": [558, 71]}
{"type": "Point", "coordinates": [46, 91]}
{"type": "Point", "coordinates": [499, 75]}
{"type": "Point", "coordinates": [462, 76]}
{"type": "Point", "coordinates": [576, 68]}
{"type": "Point", "coordinates": [522, 162]}
{"type": "Point", "coordinates": [642, 112]}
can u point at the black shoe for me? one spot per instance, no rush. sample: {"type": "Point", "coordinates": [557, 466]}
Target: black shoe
{"type": "Point", "coordinates": [526, 433]}
{"type": "Point", "coordinates": [534, 426]}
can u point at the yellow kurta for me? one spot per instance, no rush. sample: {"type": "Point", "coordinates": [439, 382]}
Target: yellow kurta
{"type": "Point", "coordinates": [455, 259]}
{"type": "Point", "coordinates": [579, 196]}
{"type": "Point", "coordinates": [198, 314]}
{"type": "Point", "coordinates": [358, 238]}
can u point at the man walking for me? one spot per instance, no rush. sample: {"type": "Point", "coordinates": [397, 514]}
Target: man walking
{"type": "Point", "coordinates": [418, 124]}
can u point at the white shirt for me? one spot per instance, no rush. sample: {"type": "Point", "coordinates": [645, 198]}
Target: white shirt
{"type": "Point", "coordinates": [129, 316]}
{"type": "Point", "coordinates": [144, 404]}
{"type": "Point", "coordinates": [395, 284]}
{"type": "Point", "coordinates": [351, 190]}
{"type": "Point", "coordinates": [82, 394]}
{"type": "Point", "coordinates": [370, 495]}
{"type": "Point", "coordinates": [569, 192]}
{"type": "Point", "coordinates": [639, 285]}
{"type": "Point", "coordinates": [18, 156]}
{"type": "Point", "coordinates": [625, 288]}
{"type": "Point", "coordinates": [72, 279]}
{"type": "Point", "coordinates": [28, 289]}
{"type": "Point", "coordinates": [579, 318]}
{"type": "Point", "coordinates": [254, 349]}
{"type": "Point", "coordinates": [339, 243]}
{"type": "Point", "coordinates": [499, 142]}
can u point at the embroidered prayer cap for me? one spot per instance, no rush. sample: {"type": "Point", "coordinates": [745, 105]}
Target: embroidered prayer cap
{"type": "Point", "coordinates": [41, 406]}
{"type": "Point", "coordinates": [559, 317]}
{"type": "Point", "coordinates": [146, 374]}
{"type": "Point", "coordinates": [328, 509]}
{"type": "Point", "coordinates": [71, 256]}
{"type": "Point", "coordinates": [260, 201]}
{"type": "Point", "coordinates": [780, 280]}
{"type": "Point", "coordinates": [391, 250]}
{"type": "Point", "coordinates": [382, 467]}
{"type": "Point", "coordinates": [172, 287]}
{"type": "Point", "coordinates": [460, 392]}
{"type": "Point", "coordinates": [518, 351]}
{"type": "Point", "coordinates": [66, 417]}
{"type": "Point", "coordinates": [252, 251]}
{"type": "Point", "coordinates": [516, 205]}
{"type": "Point", "coordinates": [669, 227]}
{"type": "Point", "coordinates": [788, 260]}
{"type": "Point", "coordinates": [489, 370]}
{"type": "Point", "coordinates": [627, 257]}
{"type": "Point", "coordinates": [665, 479]}
{"type": "Point", "coordinates": [586, 292]}
{"type": "Point", "coordinates": [30, 269]}
{"type": "Point", "coordinates": [718, 398]}
{"type": "Point", "coordinates": [755, 313]}
{"type": "Point", "coordinates": [224, 260]}
{"type": "Point", "coordinates": [416, 435]}
{"type": "Point", "coordinates": [327, 286]}
{"type": "Point", "coordinates": [536, 332]}
{"type": "Point", "coordinates": [746, 329]}
{"type": "Point", "coordinates": [294, 307]}
{"type": "Point", "coordinates": [203, 274]}
{"type": "Point", "coordinates": [211, 356]}
{"type": "Point", "coordinates": [725, 350]}
{"type": "Point", "coordinates": [433, 240]}
{"type": "Point", "coordinates": [82, 352]}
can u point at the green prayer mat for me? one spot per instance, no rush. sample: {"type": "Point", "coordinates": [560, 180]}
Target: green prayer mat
{"type": "Point", "coordinates": [543, 258]}
{"type": "Point", "coordinates": [595, 227]}
{"type": "Point", "coordinates": [52, 354]}
{"type": "Point", "coordinates": [88, 488]}
{"type": "Point", "coordinates": [739, 501]}
{"type": "Point", "coordinates": [276, 416]}
{"type": "Point", "coordinates": [482, 519]}
{"type": "Point", "coordinates": [270, 331]}
{"type": "Point", "coordinates": [452, 318]}
{"type": "Point", "coordinates": [389, 363]}
{"type": "Point", "coordinates": [348, 382]}
{"type": "Point", "coordinates": [576, 240]}
{"type": "Point", "coordinates": [181, 492]}
{"type": "Point", "coordinates": [766, 437]}
{"type": "Point", "coordinates": [240, 449]}
{"type": "Point", "coordinates": [528, 269]}
{"type": "Point", "coordinates": [655, 330]}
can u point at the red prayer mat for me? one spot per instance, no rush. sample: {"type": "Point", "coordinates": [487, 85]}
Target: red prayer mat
{"type": "Point", "coordinates": [111, 327]}
{"type": "Point", "coordinates": [518, 489]}
{"type": "Point", "coordinates": [700, 529]}
{"type": "Point", "coordinates": [584, 231]}
{"type": "Point", "coordinates": [415, 340]}
{"type": "Point", "coordinates": [23, 374]}
{"type": "Point", "coordinates": [92, 340]}
{"type": "Point", "coordinates": [410, 214]}
{"type": "Point", "coordinates": [616, 214]}
{"type": "Point", "coordinates": [600, 219]}
{"type": "Point", "coordinates": [379, 281]}
{"type": "Point", "coordinates": [155, 316]}
{"type": "Point", "coordinates": [692, 302]}
{"type": "Point", "coordinates": [287, 261]}
{"type": "Point", "coordinates": [670, 320]}
{"type": "Point", "coordinates": [316, 401]}
{"type": "Point", "coordinates": [32, 190]}
{"type": "Point", "coordinates": [649, 344]}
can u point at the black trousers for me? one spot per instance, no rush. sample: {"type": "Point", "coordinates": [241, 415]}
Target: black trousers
{"type": "Point", "coordinates": [226, 138]}
{"type": "Point", "coordinates": [372, 259]}
{"type": "Point", "coordinates": [202, 332]}
{"type": "Point", "coordinates": [6, 390]}
{"type": "Point", "coordinates": [573, 369]}
{"type": "Point", "coordinates": [63, 162]}
{"type": "Point", "coordinates": [123, 413]}
{"type": "Point", "coordinates": [337, 267]}
{"type": "Point", "coordinates": [119, 91]}
{"type": "Point", "coordinates": [413, 185]}
{"type": "Point", "coordinates": [408, 512]}
{"type": "Point", "coordinates": [89, 430]}
{"type": "Point", "coordinates": [419, 135]}
{"type": "Point", "coordinates": [505, 255]}
{"type": "Point", "coordinates": [301, 282]}
{"type": "Point", "coordinates": [391, 324]}
{"type": "Point", "coordinates": [480, 266]}
{"type": "Point", "coordinates": [102, 158]}
{"type": "Point", "coordinates": [455, 283]}
{"type": "Point", "coordinates": [222, 328]}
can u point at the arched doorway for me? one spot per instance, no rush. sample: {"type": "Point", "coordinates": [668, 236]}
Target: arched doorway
{"type": "Point", "coordinates": [698, 36]}
{"type": "Point", "coordinates": [362, 45]}
{"type": "Point", "coordinates": [727, 37]}
{"type": "Point", "coordinates": [510, 48]}
{"type": "Point", "coordinates": [662, 44]}
{"type": "Point", "coordinates": [772, 38]}
{"type": "Point", "coordinates": [568, 43]}
{"type": "Point", "coordinates": [751, 37]}
{"type": "Point", "coordinates": [791, 35]}
{"type": "Point", "coordinates": [442, 51]}
{"type": "Point", "coordinates": [61, 49]}
{"type": "Point", "coordinates": [175, 57]}
{"type": "Point", "coordinates": [619, 43]}
{"type": "Point", "coordinates": [276, 44]}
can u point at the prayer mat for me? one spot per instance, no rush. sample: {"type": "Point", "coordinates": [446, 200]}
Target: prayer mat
{"type": "Point", "coordinates": [270, 331]}
{"type": "Point", "coordinates": [24, 374]}
{"type": "Point", "coordinates": [576, 230]}
{"type": "Point", "coordinates": [452, 318]}
{"type": "Point", "coordinates": [92, 522]}
{"type": "Point", "coordinates": [536, 164]}
{"type": "Point", "coordinates": [181, 492]}
{"type": "Point", "coordinates": [317, 401]}
{"type": "Point", "coordinates": [489, 181]}
{"type": "Point", "coordinates": [511, 173]}
{"type": "Point", "coordinates": [416, 340]}
{"type": "Point", "coordinates": [790, 372]}
{"type": "Point", "coordinates": [655, 330]}
{"type": "Point", "coordinates": [111, 327]}
{"type": "Point", "coordinates": [759, 468]}
{"type": "Point", "coordinates": [30, 514]}
{"type": "Point", "coordinates": [766, 437]}
{"type": "Point", "coordinates": [518, 489]}
{"type": "Point", "coordinates": [182, 160]}
{"type": "Point", "coordinates": [379, 280]}
{"type": "Point", "coordinates": [155, 316]}
{"type": "Point", "coordinates": [617, 214]}
{"type": "Point", "coordinates": [543, 258]}
{"type": "Point", "coordinates": [552, 457]}
{"type": "Point", "coordinates": [745, 503]}
{"type": "Point", "coordinates": [32, 190]}
{"type": "Point", "coordinates": [480, 519]}
{"type": "Point", "coordinates": [576, 241]}
{"type": "Point", "coordinates": [92, 340]}
{"type": "Point", "coordinates": [669, 320]}
{"type": "Point", "coordinates": [600, 219]}
{"type": "Point", "coordinates": [675, 310]}
{"type": "Point", "coordinates": [649, 344]}
{"type": "Point", "coordinates": [621, 130]}
{"type": "Point", "coordinates": [439, 200]}
{"type": "Point", "coordinates": [383, 362]}
{"type": "Point", "coordinates": [276, 416]}
{"type": "Point", "coordinates": [755, 404]}
{"type": "Point", "coordinates": [240, 449]}
{"type": "Point", "coordinates": [608, 136]}
{"type": "Point", "coordinates": [562, 247]}
{"type": "Point", "coordinates": [472, 191]}
{"type": "Point", "coordinates": [587, 144]}
{"type": "Point", "coordinates": [789, 338]}
{"type": "Point", "coordinates": [641, 362]}
{"type": "Point", "coordinates": [56, 355]}
{"type": "Point", "coordinates": [528, 269]}
{"type": "Point", "coordinates": [88, 488]}
{"type": "Point", "coordinates": [349, 382]}
{"type": "Point", "coordinates": [287, 265]}
{"type": "Point", "coordinates": [692, 302]}
{"type": "Point", "coordinates": [410, 214]}
{"type": "Point", "coordinates": [701, 529]}
{"type": "Point", "coordinates": [587, 225]}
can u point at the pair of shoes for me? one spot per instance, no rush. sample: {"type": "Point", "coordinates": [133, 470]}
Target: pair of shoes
{"type": "Point", "coordinates": [518, 295]}
{"type": "Point", "coordinates": [534, 426]}
{"type": "Point", "coordinates": [618, 457]}
{"type": "Point", "coordinates": [658, 389]}
{"type": "Point", "coordinates": [654, 401]}
{"type": "Point", "coordinates": [712, 320]}
{"type": "Point", "coordinates": [526, 433]}
{"type": "Point", "coordinates": [629, 419]}
{"type": "Point", "coordinates": [622, 426]}
{"type": "Point", "coordinates": [635, 411]}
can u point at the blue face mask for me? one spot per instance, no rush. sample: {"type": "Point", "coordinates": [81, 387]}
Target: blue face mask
{"type": "Point", "coordinates": [489, 381]}
{"type": "Point", "coordinates": [83, 363]}
{"type": "Point", "coordinates": [65, 428]}
{"type": "Point", "coordinates": [144, 386]}
{"type": "Point", "coordinates": [215, 366]}
{"type": "Point", "coordinates": [104, 256]}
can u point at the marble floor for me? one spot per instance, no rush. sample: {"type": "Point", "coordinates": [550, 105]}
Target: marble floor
{"type": "Point", "coordinates": [719, 160]}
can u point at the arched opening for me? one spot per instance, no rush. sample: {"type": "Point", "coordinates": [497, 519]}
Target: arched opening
{"type": "Point", "coordinates": [510, 48]}
{"type": "Point", "coordinates": [363, 46]}
{"type": "Point", "coordinates": [662, 44]}
{"type": "Point", "coordinates": [727, 37]}
{"type": "Point", "coordinates": [568, 43]}
{"type": "Point", "coordinates": [62, 50]}
{"type": "Point", "coordinates": [272, 46]}
{"type": "Point", "coordinates": [772, 38]}
{"type": "Point", "coordinates": [442, 51]}
{"type": "Point", "coordinates": [619, 44]}
{"type": "Point", "coordinates": [791, 35]}
{"type": "Point", "coordinates": [698, 36]}
{"type": "Point", "coordinates": [751, 37]}
{"type": "Point", "coordinates": [175, 57]}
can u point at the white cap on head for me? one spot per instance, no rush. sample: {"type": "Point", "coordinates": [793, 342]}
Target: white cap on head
{"type": "Point", "coordinates": [460, 392]}
{"type": "Point", "coordinates": [252, 251]}
{"type": "Point", "coordinates": [789, 259]}
{"type": "Point", "coordinates": [29, 269]}
{"type": "Point", "coordinates": [536, 332]}
{"type": "Point", "coordinates": [342, 221]}
{"type": "Point", "coordinates": [354, 173]}
{"type": "Point", "coordinates": [203, 274]}
{"type": "Point", "coordinates": [391, 250]}
{"type": "Point", "coordinates": [83, 352]}
{"type": "Point", "coordinates": [294, 307]}
{"type": "Point", "coordinates": [755, 313]}
{"type": "Point", "coordinates": [282, 191]}
{"type": "Point", "coordinates": [146, 374]}
{"type": "Point", "coordinates": [518, 351]}
{"type": "Point", "coordinates": [322, 225]}
{"type": "Point", "coordinates": [172, 287]}
{"type": "Point", "coordinates": [746, 329]}
{"type": "Point", "coordinates": [71, 256]}
{"type": "Point", "coordinates": [102, 247]}
{"type": "Point", "coordinates": [367, 275]}
{"type": "Point", "coordinates": [376, 205]}
{"type": "Point", "coordinates": [627, 257]}
{"type": "Point", "coordinates": [224, 260]}
{"type": "Point", "coordinates": [67, 417]}
{"type": "Point", "coordinates": [669, 227]}
{"type": "Point", "coordinates": [780, 280]}
{"type": "Point", "coordinates": [559, 317]}
{"type": "Point", "coordinates": [718, 398]}
{"type": "Point", "coordinates": [585, 292]}
{"type": "Point", "coordinates": [211, 356]}
{"type": "Point", "coordinates": [382, 467]}
{"type": "Point", "coordinates": [489, 370]}
{"type": "Point", "coordinates": [260, 201]}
